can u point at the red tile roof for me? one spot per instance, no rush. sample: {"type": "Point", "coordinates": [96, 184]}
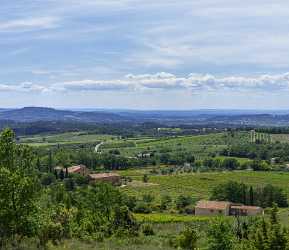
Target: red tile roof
{"type": "Point", "coordinates": [213, 204]}
{"type": "Point", "coordinates": [245, 207]}
{"type": "Point", "coordinates": [75, 169]}
{"type": "Point", "coordinates": [103, 175]}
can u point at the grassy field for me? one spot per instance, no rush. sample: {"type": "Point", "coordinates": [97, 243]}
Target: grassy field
{"type": "Point", "coordinates": [65, 138]}
{"type": "Point", "coordinates": [170, 218]}
{"type": "Point", "coordinates": [283, 138]}
{"type": "Point", "coordinates": [199, 145]}
{"type": "Point", "coordinates": [199, 185]}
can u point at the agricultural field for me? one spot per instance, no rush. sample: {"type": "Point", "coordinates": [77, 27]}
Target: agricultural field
{"type": "Point", "coordinates": [65, 138]}
{"type": "Point", "coordinates": [283, 138]}
{"type": "Point", "coordinates": [199, 145]}
{"type": "Point", "coordinates": [199, 185]}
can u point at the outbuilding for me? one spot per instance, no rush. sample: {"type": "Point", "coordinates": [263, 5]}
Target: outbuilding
{"type": "Point", "coordinates": [113, 178]}
{"type": "Point", "coordinates": [204, 207]}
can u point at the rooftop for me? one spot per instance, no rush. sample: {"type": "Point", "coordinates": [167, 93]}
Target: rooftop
{"type": "Point", "coordinates": [213, 204]}
{"type": "Point", "coordinates": [103, 175]}
{"type": "Point", "coordinates": [245, 207]}
{"type": "Point", "coordinates": [73, 169]}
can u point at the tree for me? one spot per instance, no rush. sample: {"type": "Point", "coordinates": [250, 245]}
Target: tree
{"type": "Point", "coordinates": [166, 200]}
{"type": "Point", "coordinates": [47, 179]}
{"type": "Point", "coordinates": [61, 174]}
{"type": "Point", "coordinates": [251, 194]}
{"type": "Point", "coordinates": [230, 164]}
{"type": "Point", "coordinates": [145, 178]}
{"type": "Point", "coordinates": [270, 235]}
{"type": "Point", "coordinates": [18, 187]}
{"type": "Point", "coordinates": [220, 236]}
{"type": "Point", "coordinates": [55, 174]}
{"type": "Point", "coordinates": [183, 201]}
{"type": "Point", "coordinates": [66, 172]}
{"type": "Point", "coordinates": [187, 239]}
{"type": "Point", "coordinates": [38, 164]}
{"type": "Point", "coordinates": [230, 191]}
{"type": "Point", "coordinates": [124, 222]}
{"type": "Point", "coordinates": [50, 161]}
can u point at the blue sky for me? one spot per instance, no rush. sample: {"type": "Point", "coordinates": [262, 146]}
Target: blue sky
{"type": "Point", "coordinates": [145, 54]}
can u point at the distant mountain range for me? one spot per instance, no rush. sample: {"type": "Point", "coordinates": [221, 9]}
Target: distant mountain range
{"type": "Point", "coordinates": [235, 117]}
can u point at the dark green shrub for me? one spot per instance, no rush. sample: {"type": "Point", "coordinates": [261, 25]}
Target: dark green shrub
{"type": "Point", "coordinates": [147, 229]}
{"type": "Point", "coordinates": [142, 207]}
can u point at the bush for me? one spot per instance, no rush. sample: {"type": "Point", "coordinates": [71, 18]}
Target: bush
{"type": "Point", "coordinates": [166, 200]}
{"type": "Point", "coordinates": [47, 179]}
{"type": "Point", "coordinates": [130, 202]}
{"type": "Point", "coordinates": [79, 179]}
{"type": "Point", "coordinates": [145, 178]}
{"type": "Point", "coordinates": [189, 210]}
{"type": "Point", "coordinates": [69, 184]}
{"type": "Point", "coordinates": [183, 201]}
{"type": "Point", "coordinates": [142, 207]}
{"type": "Point", "coordinates": [148, 198]}
{"type": "Point", "coordinates": [147, 230]}
{"type": "Point", "coordinates": [187, 239]}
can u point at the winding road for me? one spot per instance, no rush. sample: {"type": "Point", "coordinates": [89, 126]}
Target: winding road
{"type": "Point", "coordinates": [97, 146]}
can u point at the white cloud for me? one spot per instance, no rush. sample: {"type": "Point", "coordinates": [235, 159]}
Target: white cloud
{"type": "Point", "coordinates": [23, 87]}
{"type": "Point", "coordinates": [29, 24]}
{"type": "Point", "coordinates": [164, 81]}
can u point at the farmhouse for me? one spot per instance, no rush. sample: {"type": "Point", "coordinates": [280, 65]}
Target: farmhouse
{"type": "Point", "coordinates": [78, 169]}
{"type": "Point", "coordinates": [243, 210]}
{"type": "Point", "coordinates": [204, 207]}
{"type": "Point", "coordinates": [112, 178]}
{"type": "Point", "coordinates": [212, 208]}
{"type": "Point", "coordinates": [144, 155]}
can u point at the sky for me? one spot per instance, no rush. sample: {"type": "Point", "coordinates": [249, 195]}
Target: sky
{"type": "Point", "coordinates": [153, 54]}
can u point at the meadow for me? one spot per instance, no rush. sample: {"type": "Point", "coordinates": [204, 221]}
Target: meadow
{"type": "Point", "coordinates": [199, 145]}
{"type": "Point", "coordinates": [199, 185]}
{"type": "Point", "coordinates": [47, 140]}
{"type": "Point", "coordinates": [283, 138]}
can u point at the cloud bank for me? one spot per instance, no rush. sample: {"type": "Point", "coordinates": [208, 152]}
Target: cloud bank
{"type": "Point", "coordinates": [162, 82]}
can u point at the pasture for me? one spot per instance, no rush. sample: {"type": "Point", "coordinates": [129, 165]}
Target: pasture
{"type": "Point", "coordinates": [64, 138]}
{"type": "Point", "coordinates": [199, 145]}
{"type": "Point", "coordinates": [199, 185]}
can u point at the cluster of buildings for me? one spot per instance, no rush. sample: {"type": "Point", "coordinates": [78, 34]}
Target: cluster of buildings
{"type": "Point", "coordinates": [112, 178]}
{"type": "Point", "coordinates": [225, 208]}
{"type": "Point", "coordinates": [202, 208]}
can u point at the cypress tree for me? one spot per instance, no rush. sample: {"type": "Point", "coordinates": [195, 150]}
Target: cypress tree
{"type": "Point", "coordinates": [56, 174]}
{"type": "Point", "coordinates": [66, 172]}
{"type": "Point", "coordinates": [61, 174]}
{"type": "Point", "coordinates": [251, 193]}
{"type": "Point", "coordinates": [50, 162]}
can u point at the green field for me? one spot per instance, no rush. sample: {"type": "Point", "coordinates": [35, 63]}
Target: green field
{"type": "Point", "coordinates": [65, 138]}
{"type": "Point", "coordinates": [199, 185]}
{"type": "Point", "coordinates": [283, 138]}
{"type": "Point", "coordinates": [199, 145]}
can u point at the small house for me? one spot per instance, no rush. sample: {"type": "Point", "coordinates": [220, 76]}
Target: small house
{"type": "Point", "coordinates": [226, 208]}
{"type": "Point", "coordinates": [206, 208]}
{"type": "Point", "coordinates": [78, 169]}
{"type": "Point", "coordinates": [113, 178]}
{"type": "Point", "coordinates": [243, 210]}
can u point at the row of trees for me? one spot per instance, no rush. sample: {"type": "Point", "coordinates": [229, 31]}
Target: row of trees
{"type": "Point", "coordinates": [259, 151]}
{"type": "Point", "coordinates": [258, 234]}
{"type": "Point", "coordinates": [236, 192]}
